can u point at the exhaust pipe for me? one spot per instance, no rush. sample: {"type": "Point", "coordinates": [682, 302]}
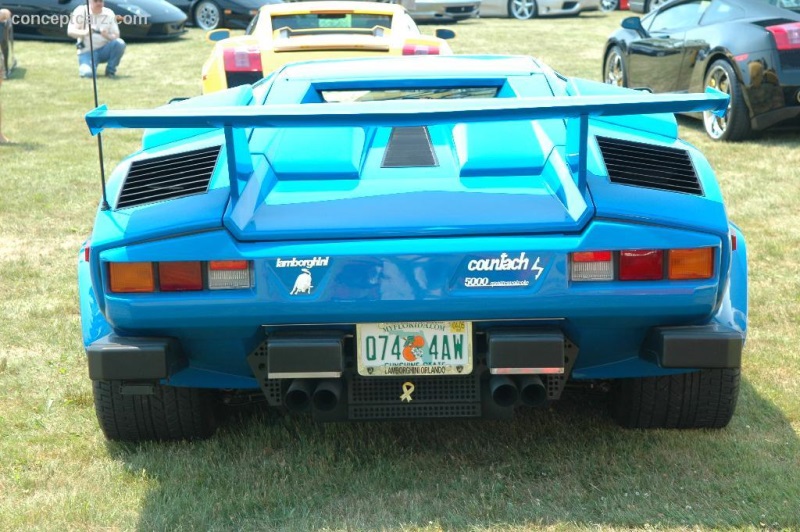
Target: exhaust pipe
{"type": "Point", "coordinates": [532, 391]}
{"type": "Point", "coordinates": [504, 391]}
{"type": "Point", "coordinates": [298, 396]}
{"type": "Point", "coordinates": [326, 396]}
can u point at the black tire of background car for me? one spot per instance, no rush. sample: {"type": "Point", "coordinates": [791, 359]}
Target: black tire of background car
{"type": "Point", "coordinates": [652, 5]}
{"type": "Point", "coordinates": [166, 415]}
{"type": "Point", "coordinates": [608, 6]}
{"type": "Point", "coordinates": [523, 15]}
{"type": "Point", "coordinates": [207, 15]}
{"type": "Point", "coordinates": [703, 399]}
{"type": "Point", "coordinates": [737, 121]}
{"type": "Point", "coordinates": [614, 54]}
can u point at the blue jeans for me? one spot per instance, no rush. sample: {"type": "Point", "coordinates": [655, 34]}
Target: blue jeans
{"type": "Point", "coordinates": [111, 53]}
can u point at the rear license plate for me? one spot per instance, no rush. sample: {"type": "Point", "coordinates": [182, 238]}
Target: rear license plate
{"type": "Point", "coordinates": [414, 348]}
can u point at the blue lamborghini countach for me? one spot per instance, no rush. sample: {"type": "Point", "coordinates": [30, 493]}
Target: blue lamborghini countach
{"type": "Point", "coordinates": [411, 238]}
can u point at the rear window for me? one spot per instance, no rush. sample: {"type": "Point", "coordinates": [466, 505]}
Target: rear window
{"type": "Point", "coordinates": [443, 93]}
{"type": "Point", "coordinates": [325, 22]}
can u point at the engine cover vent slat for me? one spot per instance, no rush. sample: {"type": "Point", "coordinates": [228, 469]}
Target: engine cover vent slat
{"type": "Point", "coordinates": [645, 165]}
{"type": "Point", "coordinates": [168, 177]}
{"type": "Point", "coordinates": [409, 147]}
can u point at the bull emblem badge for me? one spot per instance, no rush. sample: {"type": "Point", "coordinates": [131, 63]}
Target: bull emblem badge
{"type": "Point", "coordinates": [302, 285]}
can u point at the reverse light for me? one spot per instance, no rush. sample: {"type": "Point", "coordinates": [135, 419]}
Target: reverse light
{"type": "Point", "coordinates": [242, 59]}
{"type": "Point", "coordinates": [697, 263]}
{"type": "Point", "coordinates": [592, 266]}
{"type": "Point", "coordinates": [180, 276]}
{"type": "Point", "coordinates": [787, 36]}
{"type": "Point", "coordinates": [420, 49]}
{"type": "Point", "coordinates": [228, 274]}
{"type": "Point", "coordinates": [130, 277]}
{"type": "Point", "coordinates": [641, 265]}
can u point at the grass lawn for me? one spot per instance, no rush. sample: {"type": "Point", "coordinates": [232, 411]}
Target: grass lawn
{"type": "Point", "coordinates": [563, 468]}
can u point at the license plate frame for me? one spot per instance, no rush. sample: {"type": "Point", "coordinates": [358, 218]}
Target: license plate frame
{"type": "Point", "coordinates": [383, 349]}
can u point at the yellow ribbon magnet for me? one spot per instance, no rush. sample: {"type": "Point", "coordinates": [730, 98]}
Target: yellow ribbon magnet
{"type": "Point", "coordinates": [408, 389]}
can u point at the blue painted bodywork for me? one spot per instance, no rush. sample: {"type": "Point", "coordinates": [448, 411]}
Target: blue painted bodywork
{"type": "Point", "coordinates": [519, 174]}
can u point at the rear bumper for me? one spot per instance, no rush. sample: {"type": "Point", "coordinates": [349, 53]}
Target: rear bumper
{"type": "Point", "coordinates": [328, 355]}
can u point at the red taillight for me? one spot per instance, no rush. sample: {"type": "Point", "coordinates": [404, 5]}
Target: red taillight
{"type": "Point", "coordinates": [641, 265]}
{"type": "Point", "coordinates": [591, 256]}
{"type": "Point", "coordinates": [787, 36]}
{"type": "Point", "coordinates": [227, 265]}
{"type": "Point", "coordinates": [180, 276]}
{"type": "Point", "coordinates": [420, 49]}
{"type": "Point", "coordinates": [87, 252]}
{"type": "Point", "coordinates": [242, 60]}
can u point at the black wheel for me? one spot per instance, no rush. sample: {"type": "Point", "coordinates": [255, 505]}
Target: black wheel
{"type": "Point", "coordinates": [652, 5]}
{"type": "Point", "coordinates": [703, 399]}
{"type": "Point", "coordinates": [207, 15]}
{"type": "Point", "coordinates": [522, 9]}
{"type": "Point", "coordinates": [735, 125]}
{"type": "Point", "coordinates": [609, 5]}
{"type": "Point", "coordinates": [168, 414]}
{"type": "Point", "coordinates": [614, 72]}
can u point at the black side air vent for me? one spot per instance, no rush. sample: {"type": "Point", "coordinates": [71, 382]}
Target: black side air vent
{"type": "Point", "coordinates": [409, 147]}
{"type": "Point", "coordinates": [168, 177]}
{"type": "Point", "coordinates": [645, 165]}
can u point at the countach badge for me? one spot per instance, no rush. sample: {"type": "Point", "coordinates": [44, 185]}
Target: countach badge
{"type": "Point", "coordinates": [505, 270]}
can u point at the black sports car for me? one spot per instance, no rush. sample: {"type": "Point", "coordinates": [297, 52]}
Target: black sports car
{"type": "Point", "coordinates": [749, 49]}
{"type": "Point", "coordinates": [138, 19]}
{"type": "Point", "coordinates": [213, 14]}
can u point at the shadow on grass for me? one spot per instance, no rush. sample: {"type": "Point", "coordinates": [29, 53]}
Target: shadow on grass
{"type": "Point", "coordinates": [567, 465]}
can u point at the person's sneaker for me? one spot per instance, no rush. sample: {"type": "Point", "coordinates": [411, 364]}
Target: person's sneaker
{"type": "Point", "coordinates": [111, 74]}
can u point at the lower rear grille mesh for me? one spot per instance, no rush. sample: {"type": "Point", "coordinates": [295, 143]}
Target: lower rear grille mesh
{"type": "Point", "coordinates": [364, 412]}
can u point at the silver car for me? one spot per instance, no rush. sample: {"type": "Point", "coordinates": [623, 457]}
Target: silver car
{"type": "Point", "coordinates": [525, 9]}
{"type": "Point", "coordinates": [441, 10]}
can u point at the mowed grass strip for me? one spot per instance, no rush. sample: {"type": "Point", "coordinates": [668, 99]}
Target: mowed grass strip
{"type": "Point", "coordinates": [567, 467]}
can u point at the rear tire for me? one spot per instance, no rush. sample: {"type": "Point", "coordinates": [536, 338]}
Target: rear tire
{"type": "Point", "coordinates": [735, 125]}
{"type": "Point", "coordinates": [702, 399]}
{"type": "Point", "coordinates": [168, 414]}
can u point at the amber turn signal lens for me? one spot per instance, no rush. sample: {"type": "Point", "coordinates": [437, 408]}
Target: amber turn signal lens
{"type": "Point", "coordinates": [180, 276]}
{"type": "Point", "coordinates": [695, 263]}
{"type": "Point", "coordinates": [131, 277]}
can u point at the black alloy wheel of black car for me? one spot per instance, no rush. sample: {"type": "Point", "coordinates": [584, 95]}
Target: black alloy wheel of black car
{"type": "Point", "coordinates": [522, 9]}
{"type": "Point", "coordinates": [207, 15]}
{"type": "Point", "coordinates": [614, 68]}
{"type": "Point", "coordinates": [608, 6]}
{"type": "Point", "coordinates": [735, 125]}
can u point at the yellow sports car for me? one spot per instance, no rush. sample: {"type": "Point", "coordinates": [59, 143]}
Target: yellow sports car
{"type": "Point", "coordinates": [299, 31]}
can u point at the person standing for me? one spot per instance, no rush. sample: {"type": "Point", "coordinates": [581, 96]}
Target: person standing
{"type": "Point", "coordinates": [5, 15]}
{"type": "Point", "coordinates": [101, 27]}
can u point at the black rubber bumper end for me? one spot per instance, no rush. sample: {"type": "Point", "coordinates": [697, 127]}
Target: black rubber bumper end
{"type": "Point", "coordinates": [694, 347]}
{"type": "Point", "coordinates": [134, 358]}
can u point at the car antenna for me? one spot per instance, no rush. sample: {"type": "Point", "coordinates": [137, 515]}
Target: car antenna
{"type": "Point", "coordinates": [104, 205]}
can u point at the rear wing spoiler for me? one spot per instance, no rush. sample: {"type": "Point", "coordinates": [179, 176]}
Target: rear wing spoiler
{"type": "Point", "coordinates": [397, 113]}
